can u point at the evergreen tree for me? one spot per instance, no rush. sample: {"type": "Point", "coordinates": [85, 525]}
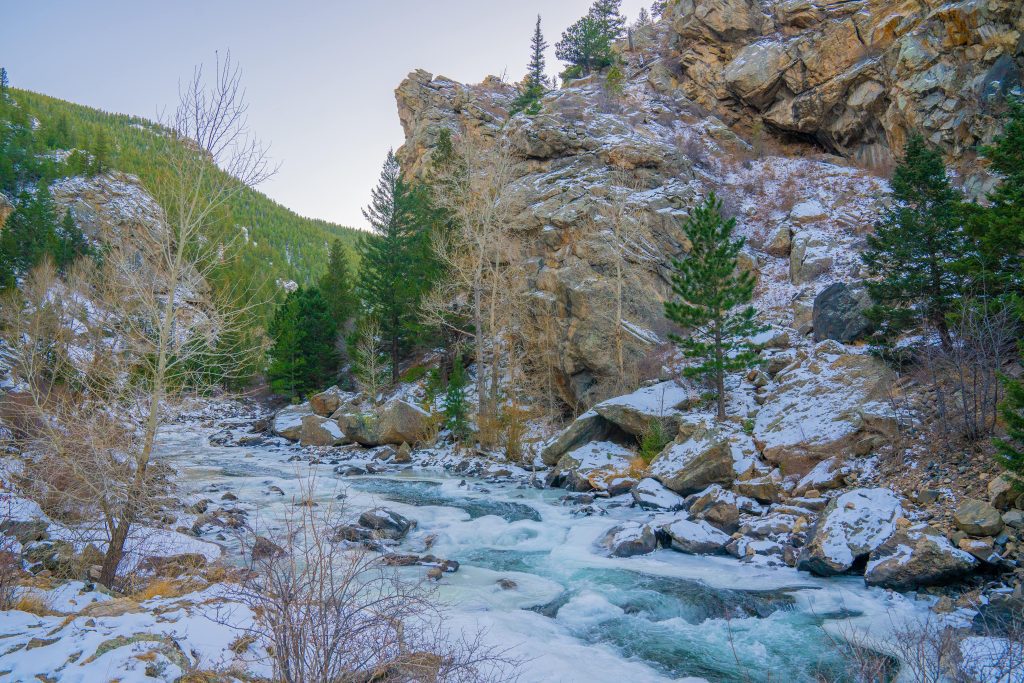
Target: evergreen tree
{"type": "Point", "coordinates": [70, 242]}
{"type": "Point", "coordinates": [643, 18]}
{"type": "Point", "coordinates": [608, 14]}
{"type": "Point", "coordinates": [535, 70]}
{"type": "Point", "coordinates": [5, 84]}
{"type": "Point", "coordinates": [100, 154]}
{"type": "Point", "coordinates": [586, 45]}
{"type": "Point", "coordinates": [998, 229]}
{"type": "Point", "coordinates": [302, 331]}
{"type": "Point", "coordinates": [708, 287]}
{"type": "Point", "coordinates": [1010, 450]}
{"type": "Point", "coordinates": [30, 232]}
{"type": "Point", "coordinates": [916, 246]}
{"type": "Point", "coordinates": [535, 84]}
{"type": "Point", "coordinates": [388, 260]}
{"type": "Point", "coordinates": [658, 8]}
{"type": "Point", "coordinates": [338, 285]}
{"type": "Point", "coordinates": [456, 405]}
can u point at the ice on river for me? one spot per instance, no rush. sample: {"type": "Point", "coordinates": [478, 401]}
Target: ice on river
{"type": "Point", "coordinates": [532, 577]}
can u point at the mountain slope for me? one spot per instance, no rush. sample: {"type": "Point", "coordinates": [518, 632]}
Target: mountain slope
{"type": "Point", "coordinates": [278, 243]}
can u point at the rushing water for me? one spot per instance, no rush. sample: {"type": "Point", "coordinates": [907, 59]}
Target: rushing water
{"type": "Point", "coordinates": [574, 613]}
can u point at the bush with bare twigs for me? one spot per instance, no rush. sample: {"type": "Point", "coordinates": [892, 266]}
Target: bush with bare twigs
{"type": "Point", "coordinates": [329, 613]}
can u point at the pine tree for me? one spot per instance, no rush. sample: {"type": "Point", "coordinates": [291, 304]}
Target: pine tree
{"type": "Point", "coordinates": [5, 84]}
{"type": "Point", "coordinates": [455, 405]}
{"type": "Point", "coordinates": [389, 258]}
{"type": "Point", "coordinates": [302, 331]}
{"type": "Point", "coordinates": [608, 14]}
{"type": "Point", "coordinates": [100, 154]}
{"type": "Point", "coordinates": [658, 8]}
{"type": "Point", "coordinates": [70, 242]}
{"type": "Point", "coordinates": [643, 18]}
{"type": "Point", "coordinates": [1010, 450]}
{"type": "Point", "coordinates": [535, 70]}
{"type": "Point", "coordinates": [708, 287]}
{"type": "Point", "coordinates": [913, 253]}
{"type": "Point", "coordinates": [998, 229]}
{"type": "Point", "coordinates": [586, 45]}
{"type": "Point", "coordinates": [338, 285]}
{"type": "Point", "coordinates": [30, 232]}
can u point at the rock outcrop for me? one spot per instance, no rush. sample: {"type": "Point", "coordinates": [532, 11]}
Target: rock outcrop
{"type": "Point", "coordinates": [852, 526]}
{"type": "Point", "coordinates": [916, 557]}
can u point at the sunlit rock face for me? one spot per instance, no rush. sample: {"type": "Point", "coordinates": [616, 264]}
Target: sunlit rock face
{"type": "Point", "coordinates": [827, 92]}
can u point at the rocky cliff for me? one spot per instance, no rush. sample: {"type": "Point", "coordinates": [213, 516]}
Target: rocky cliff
{"type": "Point", "coordinates": [828, 89]}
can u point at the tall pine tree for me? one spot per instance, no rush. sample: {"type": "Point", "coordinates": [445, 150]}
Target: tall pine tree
{"type": "Point", "coordinates": [708, 288]}
{"type": "Point", "coordinates": [302, 358]}
{"type": "Point", "coordinates": [998, 229]}
{"type": "Point", "coordinates": [535, 83]}
{"type": "Point", "coordinates": [917, 244]}
{"type": "Point", "coordinates": [338, 286]}
{"type": "Point", "coordinates": [587, 45]}
{"type": "Point", "coordinates": [389, 287]}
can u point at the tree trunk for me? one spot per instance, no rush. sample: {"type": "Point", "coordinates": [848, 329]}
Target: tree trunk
{"type": "Point", "coordinates": [481, 394]}
{"type": "Point", "coordinates": [115, 552]}
{"type": "Point", "coordinates": [719, 372]}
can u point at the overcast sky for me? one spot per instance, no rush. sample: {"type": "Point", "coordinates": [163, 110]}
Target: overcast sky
{"type": "Point", "coordinates": [320, 74]}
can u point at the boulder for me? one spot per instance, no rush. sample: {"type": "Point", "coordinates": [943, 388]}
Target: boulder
{"type": "Point", "coordinates": [762, 489]}
{"type": "Point", "coordinates": [386, 523]}
{"type": "Point", "coordinates": [265, 549]}
{"type": "Point", "coordinates": [634, 413]}
{"type": "Point", "coordinates": [808, 211]}
{"type": "Point", "coordinates": [329, 401]}
{"type": "Point", "coordinates": [718, 508]}
{"type": "Point", "coordinates": [693, 464]}
{"type": "Point", "coordinates": [394, 422]}
{"type": "Point", "coordinates": [978, 518]}
{"type": "Point", "coordinates": [630, 538]}
{"type": "Point", "coordinates": [321, 431]}
{"type": "Point", "coordinates": [839, 313]}
{"type": "Point", "coordinates": [287, 423]}
{"type": "Point", "coordinates": [831, 403]}
{"type": "Point", "coordinates": [811, 255]}
{"type": "Point", "coordinates": [586, 428]}
{"type": "Point", "coordinates": [825, 476]}
{"type": "Point", "coordinates": [25, 531]}
{"type": "Point", "coordinates": [1001, 492]}
{"type": "Point", "coordinates": [599, 466]}
{"type": "Point", "coordinates": [780, 241]}
{"type": "Point", "coordinates": [650, 494]}
{"type": "Point", "coordinates": [696, 537]}
{"type": "Point", "coordinates": [852, 526]}
{"type": "Point", "coordinates": [916, 557]}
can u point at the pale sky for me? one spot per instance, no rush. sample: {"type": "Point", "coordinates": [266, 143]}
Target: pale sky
{"type": "Point", "coordinates": [320, 74]}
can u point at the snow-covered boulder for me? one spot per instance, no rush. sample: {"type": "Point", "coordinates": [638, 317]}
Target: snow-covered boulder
{"type": "Point", "coordinates": [696, 537]}
{"type": "Point", "coordinates": [287, 422]}
{"type": "Point", "coordinates": [718, 508]}
{"type": "Point", "coordinates": [691, 465]}
{"type": "Point", "coordinates": [634, 413]}
{"type": "Point", "coordinates": [395, 422]}
{"type": "Point", "coordinates": [839, 313]}
{"type": "Point", "coordinates": [600, 466]}
{"type": "Point", "coordinates": [630, 538]}
{"type": "Point", "coordinates": [825, 476]}
{"type": "Point", "coordinates": [810, 255]}
{"type": "Point", "coordinates": [852, 526]}
{"type": "Point", "coordinates": [916, 557]}
{"type": "Point", "coordinates": [321, 431]}
{"type": "Point", "coordinates": [650, 494]}
{"type": "Point", "coordinates": [830, 403]}
{"type": "Point", "coordinates": [586, 428]}
{"type": "Point", "coordinates": [329, 401]}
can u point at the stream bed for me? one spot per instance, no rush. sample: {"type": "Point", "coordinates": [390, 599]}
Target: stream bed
{"type": "Point", "coordinates": [574, 614]}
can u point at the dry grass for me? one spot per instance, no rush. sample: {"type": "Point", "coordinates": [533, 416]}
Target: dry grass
{"type": "Point", "coordinates": [33, 603]}
{"type": "Point", "coordinates": [164, 588]}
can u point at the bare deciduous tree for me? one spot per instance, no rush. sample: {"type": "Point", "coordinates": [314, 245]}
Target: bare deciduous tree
{"type": "Point", "coordinates": [105, 356]}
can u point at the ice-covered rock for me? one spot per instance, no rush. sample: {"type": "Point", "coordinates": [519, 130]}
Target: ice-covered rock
{"type": "Point", "coordinates": [386, 523]}
{"type": "Point", "coordinates": [287, 422]}
{"type": "Point", "coordinates": [696, 537]}
{"type": "Point", "coordinates": [630, 538]}
{"type": "Point", "coordinates": [852, 526]}
{"type": "Point", "coordinates": [650, 494]}
{"type": "Point", "coordinates": [830, 403]}
{"type": "Point", "coordinates": [916, 557]}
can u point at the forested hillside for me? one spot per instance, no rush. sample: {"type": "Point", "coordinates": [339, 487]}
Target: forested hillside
{"type": "Point", "coordinates": [276, 243]}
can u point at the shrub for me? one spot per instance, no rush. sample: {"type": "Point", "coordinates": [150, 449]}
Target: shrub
{"type": "Point", "coordinates": [653, 440]}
